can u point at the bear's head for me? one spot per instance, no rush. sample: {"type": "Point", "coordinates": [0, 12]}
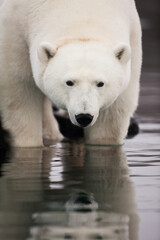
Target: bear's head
{"type": "Point", "coordinates": [83, 77]}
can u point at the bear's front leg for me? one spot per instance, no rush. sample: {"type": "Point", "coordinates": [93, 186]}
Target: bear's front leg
{"type": "Point", "coordinates": [22, 109]}
{"type": "Point", "coordinates": [110, 128]}
{"type": "Point", "coordinates": [50, 125]}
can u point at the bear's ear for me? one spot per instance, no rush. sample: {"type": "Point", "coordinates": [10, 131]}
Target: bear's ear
{"type": "Point", "coordinates": [46, 51]}
{"type": "Point", "coordinates": [123, 52]}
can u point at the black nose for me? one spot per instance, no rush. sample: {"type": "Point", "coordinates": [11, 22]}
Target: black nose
{"type": "Point", "coordinates": [84, 119]}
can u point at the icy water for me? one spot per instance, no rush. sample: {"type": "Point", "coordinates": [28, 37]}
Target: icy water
{"type": "Point", "coordinates": [72, 191]}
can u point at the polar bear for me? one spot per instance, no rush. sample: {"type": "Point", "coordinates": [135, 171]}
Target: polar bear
{"type": "Point", "coordinates": [82, 55]}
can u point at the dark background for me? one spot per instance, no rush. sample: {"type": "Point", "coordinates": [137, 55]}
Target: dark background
{"type": "Point", "coordinates": [148, 8]}
{"type": "Point", "coordinates": [149, 12]}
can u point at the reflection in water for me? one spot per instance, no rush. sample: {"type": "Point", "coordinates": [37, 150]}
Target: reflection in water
{"type": "Point", "coordinates": [68, 192]}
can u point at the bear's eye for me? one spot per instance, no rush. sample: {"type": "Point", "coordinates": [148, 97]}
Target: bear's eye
{"type": "Point", "coordinates": [100, 84]}
{"type": "Point", "coordinates": [70, 83]}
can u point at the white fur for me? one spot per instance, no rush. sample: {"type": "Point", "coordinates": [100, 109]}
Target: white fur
{"type": "Point", "coordinates": [45, 43]}
{"type": "Point", "coordinates": [50, 125]}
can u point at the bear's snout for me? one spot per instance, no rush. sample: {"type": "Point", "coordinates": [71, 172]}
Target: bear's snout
{"type": "Point", "coordinates": [84, 119]}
